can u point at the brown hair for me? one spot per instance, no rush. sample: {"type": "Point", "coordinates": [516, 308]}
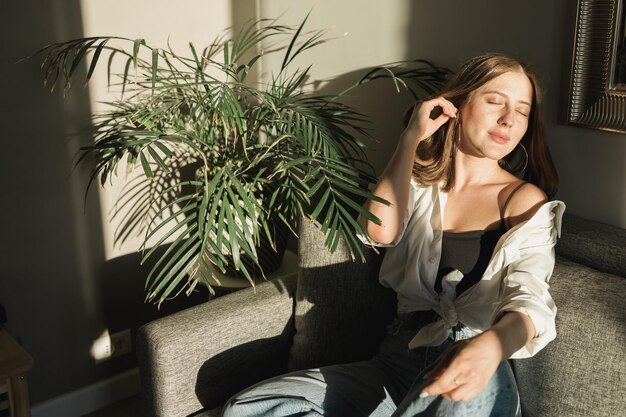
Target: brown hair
{"type": "Point", "coordinates": [435, 155]}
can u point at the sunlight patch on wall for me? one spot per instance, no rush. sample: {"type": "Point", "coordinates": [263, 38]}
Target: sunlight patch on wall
{"type": "Point", "coordinates": [158, 22]}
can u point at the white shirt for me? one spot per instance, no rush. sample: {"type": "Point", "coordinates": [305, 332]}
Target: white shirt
{"type": "Point", "coordinates": [516, 278]}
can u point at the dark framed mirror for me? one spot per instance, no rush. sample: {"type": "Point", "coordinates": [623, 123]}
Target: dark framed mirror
{"type": "Point", "coordinates": [597, 93]}
{"type": "Point", "coordinates": [619, 68]}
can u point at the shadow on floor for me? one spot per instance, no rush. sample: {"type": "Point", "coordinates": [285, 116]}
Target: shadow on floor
{"type": "Point", "coordinates": [130, 407]}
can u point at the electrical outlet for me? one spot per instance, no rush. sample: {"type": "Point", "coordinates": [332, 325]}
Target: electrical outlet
{"type": "Point", "coordinates": [121, 343]}
{"type": "Point", "coordinates": [111, 346]}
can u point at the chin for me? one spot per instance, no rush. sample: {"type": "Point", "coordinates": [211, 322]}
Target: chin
{"type": "Point", "coordinates": [498, 152]}
{"type": "Point", "coordinates": [495, 154]}
{"type": "Point", "coordinates": [491, 151]}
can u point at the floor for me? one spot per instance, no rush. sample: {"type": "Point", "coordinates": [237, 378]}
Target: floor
{"type": "Point", "coordinates": [130, 407]}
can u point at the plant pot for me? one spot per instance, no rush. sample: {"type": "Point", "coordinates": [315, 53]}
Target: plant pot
{"type": "Point", "coordinates": [269, 259]}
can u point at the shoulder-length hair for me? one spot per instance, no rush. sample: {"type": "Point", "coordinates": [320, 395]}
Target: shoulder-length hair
{"type": "Point", "coordinates": [434, 159]}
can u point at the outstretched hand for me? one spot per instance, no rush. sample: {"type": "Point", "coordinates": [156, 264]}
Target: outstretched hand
{"type": "Point", "coordinates": [466, 368]}
{"type": "Point", "coordinates": [421, 126]}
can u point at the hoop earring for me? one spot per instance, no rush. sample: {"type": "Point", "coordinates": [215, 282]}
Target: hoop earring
{"type": "Point", "coordinates": [456, 142]}
{"type": "Point", "coordinates": [525, 156]}
{"type": "Point", "coordinates": [510, 168]}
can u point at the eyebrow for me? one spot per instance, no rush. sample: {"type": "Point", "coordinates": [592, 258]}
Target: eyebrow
{"type": "Point", "coordinates": [505, 96]}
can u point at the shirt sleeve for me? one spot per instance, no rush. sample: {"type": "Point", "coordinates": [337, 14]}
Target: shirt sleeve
{"type": "Point", "coordinates": [407, 215]}
{"type": "Point", "coordinates": [525, 287]}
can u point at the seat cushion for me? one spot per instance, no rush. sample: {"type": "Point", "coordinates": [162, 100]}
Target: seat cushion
{"type": "Point", "coordinates": [582, 372]}
{"type": "Point", "coordinates": [328, 331]}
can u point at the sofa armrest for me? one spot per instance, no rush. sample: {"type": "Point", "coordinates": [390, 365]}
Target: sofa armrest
{"type": "Point", "coordinates": [197, 358]}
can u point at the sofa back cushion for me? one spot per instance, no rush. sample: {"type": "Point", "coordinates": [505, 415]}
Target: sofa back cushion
{"type": "Point", "coordinates": [587, 242]}
{"type": "Point", "coordinates": [341, 310]}
{"type": "Point", "coordinates": [582, 372]}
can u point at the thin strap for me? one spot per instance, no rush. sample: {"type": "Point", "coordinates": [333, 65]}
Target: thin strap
{"type": "Point", "coordinates": [506, 203]}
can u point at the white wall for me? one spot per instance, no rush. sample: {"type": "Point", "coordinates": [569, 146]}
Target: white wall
{"type": "Point", "coordinates": [160, 23]}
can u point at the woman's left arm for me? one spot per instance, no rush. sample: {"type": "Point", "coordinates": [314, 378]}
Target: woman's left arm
{"type": "Point", "coordinates": [469, 364]}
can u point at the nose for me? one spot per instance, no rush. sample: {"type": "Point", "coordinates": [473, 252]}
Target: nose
{"type": "Point", "coordinates": [507, 117]}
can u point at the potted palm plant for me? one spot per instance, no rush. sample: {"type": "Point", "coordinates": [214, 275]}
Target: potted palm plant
{"type": "Point", "coordinates": [227, 164]}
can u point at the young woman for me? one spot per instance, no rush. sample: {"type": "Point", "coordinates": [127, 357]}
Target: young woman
{"type": "Point", "coordinates": [470, 234]}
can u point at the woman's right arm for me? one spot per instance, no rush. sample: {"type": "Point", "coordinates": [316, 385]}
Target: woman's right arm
{"type": "Point", "coordinates": [394, 183]}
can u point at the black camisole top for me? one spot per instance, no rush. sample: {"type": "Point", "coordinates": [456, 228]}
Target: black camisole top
{"type": "Point", "coordinates": [469, 252]}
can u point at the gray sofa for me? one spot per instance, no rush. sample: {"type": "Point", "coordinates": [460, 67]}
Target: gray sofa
{"type": "Point", "coordinates": [335, 311]}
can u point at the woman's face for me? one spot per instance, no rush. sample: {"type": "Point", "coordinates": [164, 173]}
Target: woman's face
{"type": "Point", "coordinates": [495, 117]}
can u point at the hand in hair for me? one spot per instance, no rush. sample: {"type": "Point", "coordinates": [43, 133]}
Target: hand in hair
{"type": "Point", "coordinates": [421, 126]}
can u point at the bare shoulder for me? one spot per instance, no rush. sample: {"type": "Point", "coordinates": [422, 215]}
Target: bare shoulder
{"type": "Point", "coordinates": [524, 203]}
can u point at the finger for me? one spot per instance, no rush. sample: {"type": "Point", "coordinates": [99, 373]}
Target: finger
{"type": "Point", "coordinates": [464, 392]}
{"type": "Point", "coordinates": [444, 384]}
{"type": "Point", "coordinates": [416, 115]}
{"type": "Point", "coordinates": [448, 376]}
{"type": "Point", "coordinates": [423, 110]}
{"type": "Point", "coordinates": [440, 120]}
{"type": "Point", "coordinates": [450, 102]}
{"type": "Point", "coordinates": [435, 102]}
{"type": "Point", "coordinates": [452, 110]}
{"type": "Point", "coordinates": [461, 392]}
{"type": "Point", "coordinates": [442, 364]}
{"type": "Point", "coordinates": [450, 395]}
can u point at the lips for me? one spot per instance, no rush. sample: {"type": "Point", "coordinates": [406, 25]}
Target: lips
{"type": "Point", "coordinates": [498, 137]}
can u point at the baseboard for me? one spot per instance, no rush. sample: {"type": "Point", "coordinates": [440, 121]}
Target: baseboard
{"type": "Point", "coordinates": [91, 398]}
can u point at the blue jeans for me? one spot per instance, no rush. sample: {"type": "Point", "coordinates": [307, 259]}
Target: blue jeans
{"type": "Point", "coordinates": [387, 385]}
